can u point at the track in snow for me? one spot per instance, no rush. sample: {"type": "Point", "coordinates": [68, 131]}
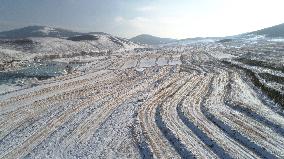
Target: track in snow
{"type": "Point", "coordinates": [142, 106]}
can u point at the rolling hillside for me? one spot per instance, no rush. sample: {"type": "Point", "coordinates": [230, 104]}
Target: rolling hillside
{"type": "Point", "coordinates": [274, 31]}
{"type": "Point", "coordinates": [151, 40]}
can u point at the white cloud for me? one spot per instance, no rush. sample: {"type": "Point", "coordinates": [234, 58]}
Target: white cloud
{"type": "Point", "coordinates": [227, 18]}
{"type": "Point", "coordinates": [146, 8]}
{"type": "Point", "coordinates": [119, 19]}
{"type": "Point", "coordinates": [139, 22]}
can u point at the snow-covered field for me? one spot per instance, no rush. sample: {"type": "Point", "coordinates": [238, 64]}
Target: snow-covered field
{"type": "Point", "coordinates": [173, 102]}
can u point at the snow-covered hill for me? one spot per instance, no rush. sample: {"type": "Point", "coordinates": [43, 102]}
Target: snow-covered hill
{"type": "Point", "coordinates": [37, 31]}
{"type": "Point", "coordinates": [273, 32]}
{"type": "Point", "coordinates": [46, 42]}
{"type": "Point", "coordinates": [151, 40]}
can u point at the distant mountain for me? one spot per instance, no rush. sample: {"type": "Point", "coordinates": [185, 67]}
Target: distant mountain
{"type": "Point", "coordinates": [200, 39]}
{"type": "Point", "coordinates": [98, 33]}
{"type": "Point", "coordinates": [53, 43]}
{"type": "Point", "coordinates": [151, 40]}
{"type": "Point", "coordinates": [273, 32]}
{"type": "Point", "coordinates": [37, 31]}
{"type": "Point", "coordinates": [83, 37]}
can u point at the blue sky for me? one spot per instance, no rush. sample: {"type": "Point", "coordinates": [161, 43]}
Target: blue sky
{"type": "Point", "coordinates": [127, 18]}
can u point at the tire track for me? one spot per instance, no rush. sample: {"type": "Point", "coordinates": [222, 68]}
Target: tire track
{"type": "Point", "coordinates": [252, 108]}
{"type": "Point", "coordinates": [190, 112]}
{"type": "Point", "coordinates": [40, 107]}
{"type": "Point", "coordinates": [183, 139]}
{"type": "Point", "coordinates": [158, 145]}
{"type": "Point", "coordinates": [92, 123]}
{"type": "Point", "coordinates": [229, 123]}
{"type": "Point", "coordinates": [20, 101]}
{"type": "Point", "coordinates": [108, 91]}
{"type": "Point", "coordinates": [27, 146]}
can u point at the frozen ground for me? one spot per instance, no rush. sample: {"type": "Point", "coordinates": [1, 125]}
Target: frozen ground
{"type": "Point", "coordinates": [194, 101]}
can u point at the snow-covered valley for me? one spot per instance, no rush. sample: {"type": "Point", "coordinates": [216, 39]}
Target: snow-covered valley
{"type": "Point", "coordinates": [111, 98]}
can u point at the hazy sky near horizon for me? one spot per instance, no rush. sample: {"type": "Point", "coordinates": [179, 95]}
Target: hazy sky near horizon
{"type": "Point", "coordinates": [128, 18]}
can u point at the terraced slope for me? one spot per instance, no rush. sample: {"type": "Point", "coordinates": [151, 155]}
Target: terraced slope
{"type": "Point", "coordinates": [162, 105]}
